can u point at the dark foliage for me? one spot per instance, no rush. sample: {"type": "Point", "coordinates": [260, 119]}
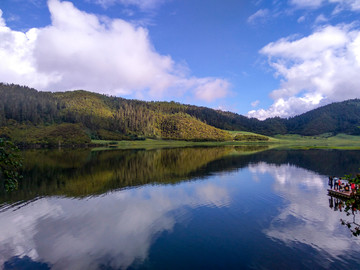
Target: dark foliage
{"type": "Point", "coordinates": [340, 117]}
{"type": "Point", "coordinates": [113, 118]}
{"type": "Point", "coordinates": [10, 163]}
{"type": "Point", "coordinates": [250, 138]}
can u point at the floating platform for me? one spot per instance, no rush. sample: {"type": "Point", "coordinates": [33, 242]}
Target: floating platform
{"type": "Point", "coordinates": [342, 194]}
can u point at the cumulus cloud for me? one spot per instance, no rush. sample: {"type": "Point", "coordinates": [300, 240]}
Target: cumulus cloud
{"type": "Point", "coordinates": [314, 70]}
{"type": "Point", "coordinates": [84, 51]}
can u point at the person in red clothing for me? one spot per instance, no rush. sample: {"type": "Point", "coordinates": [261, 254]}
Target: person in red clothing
{"type": "Point", "coordinates": [353, 188]}
{"type": "Point", "coordinates": [339, 183]}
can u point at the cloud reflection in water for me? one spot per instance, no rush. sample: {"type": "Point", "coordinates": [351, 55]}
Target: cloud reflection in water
{"type": "Point", "coordinates": [116, 229]}
{"type": "Point", "coordinates": [306, 217]}
{"type": "Point", "coordinates": [285, 210]}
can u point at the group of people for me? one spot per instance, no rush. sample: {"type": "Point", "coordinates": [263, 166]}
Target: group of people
{"type": "Point", "coordinates": [342, 185]}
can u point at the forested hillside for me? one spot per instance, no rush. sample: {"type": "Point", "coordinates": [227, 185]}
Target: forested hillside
{"type": "Point", "coordinates": [340, 117]}
{"type": "Point", "coordinates": [27, 115]}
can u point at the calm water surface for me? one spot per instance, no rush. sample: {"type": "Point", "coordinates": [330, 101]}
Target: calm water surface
{"type": "Point", "coordinates": [192, 208]}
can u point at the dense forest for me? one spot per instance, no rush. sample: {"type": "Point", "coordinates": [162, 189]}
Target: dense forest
{"type": "Point", "coordinates": [339, 117]}
{"type": "Point", "coordinates": [28, 115]}
{"type": "Point", "coordinates": [32, 117]}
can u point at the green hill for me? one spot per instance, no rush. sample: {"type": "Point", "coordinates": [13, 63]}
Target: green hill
{"type": "Point", "coordinates": [29, 116]}
{"type": "Point", "coordinates": [178, 126]}
{"type": "Point", "coordinates": [339, 117]}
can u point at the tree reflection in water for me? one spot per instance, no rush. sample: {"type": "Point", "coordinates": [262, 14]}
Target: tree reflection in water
{"type": "Point", "coordinates": [176, 208]}
{"type": "Point", "coordinates": [351, 208]}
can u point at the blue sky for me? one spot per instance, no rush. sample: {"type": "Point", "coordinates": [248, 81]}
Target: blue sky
{"type": "Point", "coordinates": [257, 58]}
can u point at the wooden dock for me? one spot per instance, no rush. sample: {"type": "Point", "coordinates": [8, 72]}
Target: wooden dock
{"type": "Point", "coordinates": [342, 194]}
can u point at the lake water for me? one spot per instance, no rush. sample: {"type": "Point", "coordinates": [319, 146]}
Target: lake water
{"type": "Point", "coordinates": [191, 208]}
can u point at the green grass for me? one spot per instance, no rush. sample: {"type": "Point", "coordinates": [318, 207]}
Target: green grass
{"type": "Point", "coordinates": [237, 133]}
{"type": "Point", "coordinates": [323, 141]}
{"type": "Point", "coordinates": [58, 134]}
{"type": "Point", "coordinates": [154, 144]}
{"type": "Point", "coordinates": [289, 141]}
{"type": "Point", "coordinates": [75, 134]}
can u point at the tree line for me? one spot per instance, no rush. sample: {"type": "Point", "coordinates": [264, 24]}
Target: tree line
{"type": "Point", "coordinates": [105, 116]}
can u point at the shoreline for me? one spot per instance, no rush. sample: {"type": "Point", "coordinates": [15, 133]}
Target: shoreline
{"type": "Point", "coordinates": [295, 142]}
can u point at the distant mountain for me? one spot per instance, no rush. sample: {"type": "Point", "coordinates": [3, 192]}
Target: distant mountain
{"type": "Point", "coordinates": [78, 116]}
{"type": "Point", "coordinates": [339, 117]}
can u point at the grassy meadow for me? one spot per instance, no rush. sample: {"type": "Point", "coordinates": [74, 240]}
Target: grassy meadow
{"type": "Point", "coordinates": [324, 141]}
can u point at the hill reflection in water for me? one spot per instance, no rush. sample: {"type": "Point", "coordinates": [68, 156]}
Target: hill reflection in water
{"type": "Point", "coordinates": [79, 173]}
{"type": "Point", "coordinates": [189, 208]}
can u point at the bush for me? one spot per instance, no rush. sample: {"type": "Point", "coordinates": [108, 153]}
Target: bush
{"type": "Point", "coordinates": [250, 138]}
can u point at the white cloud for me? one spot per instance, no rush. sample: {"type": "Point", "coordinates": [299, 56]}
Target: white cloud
{"type": "Point", "coordinates": [353, 5]}
{"type": "Point", "coordinates": [317, 227]}
{"type": "Point", "coordinates": [142, 4]}
{"type": "Point", "coordinates": [320, 19]}
{"type": "Point", "coordinates": [307, 3]}
{"type": "Point", "coordinates": [134, 219]}
{"type": "Point", "coordinates": [255, 103]}
{"type": "Point", "coordinates": [301, 19]}
{"type": "Point", "coordinates": [314, 70]}
{"type": "Point", "coordinates": [211, 89]}
{"type": "Point", "coordinates": [258, 15]}
{"type": "Point", "coordinates": [83, 51]}
{"type": "Point", "coordinates": [2, 22]}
